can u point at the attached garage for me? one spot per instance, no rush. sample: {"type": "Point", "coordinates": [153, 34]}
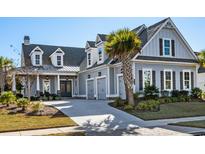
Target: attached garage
{"type": "Point", "coordinates": [90, 89]}
{"type": "Point", "coordinates": [121, 87]}
{"type": "Point", "coordinates": [101, 87]}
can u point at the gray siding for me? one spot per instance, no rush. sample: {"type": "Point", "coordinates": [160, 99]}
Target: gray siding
{"type": "Point", "coordinates": [84, 75]}
{"type": "Point", "coordinates": [112, 89]}
{"type": "Point", "coordinates": [181, 51]}
{"type": "Point", "coordinates": [160, 67]}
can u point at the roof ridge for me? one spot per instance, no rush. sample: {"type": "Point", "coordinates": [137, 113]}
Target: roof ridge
{"type": "Point", "coordinates": [158, 23]}
{"type": "Point", "coordinates": [54, 46]}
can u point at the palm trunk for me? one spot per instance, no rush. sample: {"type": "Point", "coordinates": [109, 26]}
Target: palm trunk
{"type": "Point", "coordinates": [128, 78]}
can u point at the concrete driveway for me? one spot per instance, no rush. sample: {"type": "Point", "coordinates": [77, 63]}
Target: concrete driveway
{"type": "Point", "coordinates": [96, 115]}
{"type": "Point", "coordinates": [98, 118]}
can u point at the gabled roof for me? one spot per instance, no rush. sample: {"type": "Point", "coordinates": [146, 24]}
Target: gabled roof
{"type": "Point", "coordinates": [73, 55]}
{"type": "Point", "coordinates": [102, 37]}
{"type": "Point", "coordinates": [91, 44]}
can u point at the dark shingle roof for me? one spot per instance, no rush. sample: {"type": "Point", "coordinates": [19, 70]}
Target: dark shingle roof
{"type": "Point", "coordinates": [102, 37]}
{"type": "Point", "coordinates": [73, 56]}
{"type": "Point", "coordinates": [91, 44]}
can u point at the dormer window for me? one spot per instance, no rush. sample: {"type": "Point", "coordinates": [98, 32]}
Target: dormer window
{"type": "Point", "coordinates": [57, 57]}
{"type": "Point", "coordinates": [167, 47]}
{"type": "Point", "coordinates": [37, 59]}
{"type": "Point", "coordinates": [59, 61]}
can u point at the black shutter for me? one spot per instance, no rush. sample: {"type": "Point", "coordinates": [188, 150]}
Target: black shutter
{"type": "Point", "coordinates": [181, 80]}
{"type": "Point", "coordinates": [192, 80]}
{"type": "Point", "coordinates": [162, 80]}
{"type": "Point", "coordinates": [160, 47]}
{"type": "Point", "coordinates": [153, 78]}
{"type": "Point", "coordinates": [174, 80]}
{"type": "Point", "coordinates": [173, 48]}
{"type": "Point", "coordinates": [140, 80]}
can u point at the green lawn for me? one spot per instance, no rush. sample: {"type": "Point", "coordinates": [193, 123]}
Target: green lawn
{"type": "Point", "coordinates": [15, 122]}
{"type": "Point", "coordinates": [173, 110]}
{"type": "Point", "coordinates": [198, 124]}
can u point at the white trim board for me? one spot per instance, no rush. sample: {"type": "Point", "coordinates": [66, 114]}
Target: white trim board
{"type": "Point", "coordinates": [118, 75]}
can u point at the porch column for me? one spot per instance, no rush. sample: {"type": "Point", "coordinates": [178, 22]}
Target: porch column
{"type": "Point", "coordinates": [58, 85]}
{"type": "Point", "coordinates": [37, 85]}
{"type": "Point", "coordinates": [14, 83]}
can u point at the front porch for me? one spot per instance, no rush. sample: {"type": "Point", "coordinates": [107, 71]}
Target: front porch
{"type": "Point", "coordinates": [63, 85]}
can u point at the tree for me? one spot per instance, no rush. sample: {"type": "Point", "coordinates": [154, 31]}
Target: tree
{"type": "Point", "coordinates": [5, 66]}
{"type": "Point", "coordinates": [123, 44]}
{"type": "Point", "coordinates": [201, 57]}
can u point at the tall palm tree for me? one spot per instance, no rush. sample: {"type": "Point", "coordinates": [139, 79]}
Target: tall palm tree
{"type": "Point", "coordinates": [5, 65]}
{"type": "Point", "coordinates": [201, 57]}
{"type": "Point", "coordinates": [123, 44]}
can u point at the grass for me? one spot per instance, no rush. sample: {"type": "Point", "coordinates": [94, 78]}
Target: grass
{"type": "Point", "coordinates": [172, 110]}
{"type": "Point", "coordinates": [197, 124]}
{"type": "Point", "coordinates": [19, 121]}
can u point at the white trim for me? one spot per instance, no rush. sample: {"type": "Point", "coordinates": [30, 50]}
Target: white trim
{"type": "Point", "coordinates": [170, 48]}
{"type": "Point", "coordinates": [49, 85]}
{"type": "Point", "coordinates": [108, 80]}
{"type": "Point", "coordinates": [37, 83]}
{"type": "Point", "coordinates": [143, 70]}
{"type": "Point", "coordinates": [189, 71]}
{"type": "Point", "coordinates": [165, 62]}
{"type": "Point", "coordinates": [86, 86]}
{"type": "Point", "coordinates": [133, 75]}
{"type": "Point", "coordinates": [59, 49]}
{"type": "Point", "coordinates": [168, 70]}
{"type": "Point", "coordinates": [80, 95]}
{"type": "Point", "coordinates": [96, 85]}
{"type": "Point", "coordinates": [34, 73]}
{"type": "Point", "coordinates": [112, 95]}
{"type": "Point", "coordinates": [38, 48]}
{"type": "Point", "coordinates": [118, 75]}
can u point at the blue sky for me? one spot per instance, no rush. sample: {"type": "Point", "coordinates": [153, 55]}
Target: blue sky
{"type": "Point", "coordinates": [76, 31]}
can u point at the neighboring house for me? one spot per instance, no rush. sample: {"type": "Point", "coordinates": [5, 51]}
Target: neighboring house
{"type": "Point", "coordinates": [166, 60]}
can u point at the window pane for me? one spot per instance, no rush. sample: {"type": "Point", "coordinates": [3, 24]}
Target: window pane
{"type": "Point", "coordinates": [167, 51]}
{"type": "Point", "coordinates": [168, 75]}
{"type": "Point", "coordinates": [186, 84]}
{"type": "Point", "coordinates": [166, 43]}
{"type": "Point", "coordinates": [186, 75]}
{"type": "Point", "coordinates": [147, 78]}
{"type": "Point", "coordinates": [168, 84]}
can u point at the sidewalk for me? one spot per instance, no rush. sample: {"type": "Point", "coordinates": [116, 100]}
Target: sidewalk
{"type": "Point", "coordinates": [40, 132]}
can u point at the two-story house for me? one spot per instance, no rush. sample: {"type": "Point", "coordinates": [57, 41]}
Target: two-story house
{"type": "Point", "coordinates": [166, 60]}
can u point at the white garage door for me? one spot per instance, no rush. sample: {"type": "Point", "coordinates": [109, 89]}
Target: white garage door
{"type": "Point", "coordinates": [90, 89]}
{"type": "Point", "coordinates": [122, 93]}
{"type": "Point", "coordinates": [101, 88]}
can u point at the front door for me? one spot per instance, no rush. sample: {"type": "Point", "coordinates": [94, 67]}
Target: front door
{"type": "Point", "coordinates": [66, 88]}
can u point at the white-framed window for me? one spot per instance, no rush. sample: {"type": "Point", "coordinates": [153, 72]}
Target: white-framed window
{"type": "Point", "coordinates": [186, 80]}
{"type": "Point", "coordinates": [168, 80]}
{"type": "Point", "coordinates": [59, 61]}
{"type": "Point", "coordinates": [46, 86]}
{"type": "Point", "coordinates": [147, 77]}
{"type": "Point", "coordinates": [166, 47]}
{"type": "Point", "coordinates": [37, 59]}
{"type": "Point", "coordinates": [89, 59]}
{"type": "Point", "coordinates": [100, 54]}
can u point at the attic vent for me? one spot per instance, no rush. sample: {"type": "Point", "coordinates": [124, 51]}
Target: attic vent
{"type": "Point", "coordinates": [58, 52]}
{"type": "Point", "coordinates": [169, 25]}
{"type": "Point", "coordinates": [37, 50]}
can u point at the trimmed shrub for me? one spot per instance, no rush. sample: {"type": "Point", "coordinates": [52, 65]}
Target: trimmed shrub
{"type": "Point", "coordinates": [149, 105]}
{"type": "Point", "coordinates": [47, 94]}
{"type": "Point", "coordinates": [37, 107]}
{"type": "Point", "coordinates": [183, 93]}
{"type": "Point", "coordinates": [175, 99]}
{"type": "Point", "coordinates": [196, 93]}
{"type": "Point", "coordinates": [23, 103]}
{"type": "Point", "coordinates": [175, 93]}
{"type": "Point", "coordinates": [128, 107]}
{"type": "Point", "coordinates": [136, 95]}
{"type": "Point", "coordinates": [18, 95]}
{"type": "Point", "coordinates": [151, 92]}
{"type": "Point", "coordinates": [8, 98]}
{"type": "Point", "coordinates": [54, 96]}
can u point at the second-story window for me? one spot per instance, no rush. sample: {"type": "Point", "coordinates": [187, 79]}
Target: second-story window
{"type": "Point", "coordinates": [59, 60]}
{"type": "Point", "coordinates": [37, 59]}
{"type": "Point", "coordinates": [89, 59]}
{"type": "Point", "coordinates": [100, 54]}
{"type": "Point", "coordinates": [167, 47]}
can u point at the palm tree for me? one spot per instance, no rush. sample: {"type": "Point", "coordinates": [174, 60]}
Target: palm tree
{"type": "Point", "coordinates": [123, 44]}
{"type": "Point", "coordinates": [5, 65]}
{"type": "Point", "coordinates": [201, 57]}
